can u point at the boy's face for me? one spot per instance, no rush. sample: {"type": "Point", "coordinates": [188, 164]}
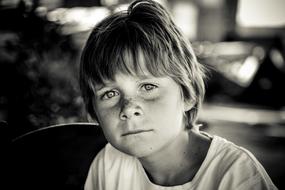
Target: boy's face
{"type": "Point", "coordinates": [140, 115]}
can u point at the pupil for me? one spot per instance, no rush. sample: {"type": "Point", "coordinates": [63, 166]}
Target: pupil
{"type": "Point", "coordinates": [111, 94]}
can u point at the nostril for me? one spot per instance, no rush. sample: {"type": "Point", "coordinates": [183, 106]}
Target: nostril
{"type": "Point", "coordinates": [123, 116]}
{"type": "Point", "coordinates": [137, 114]}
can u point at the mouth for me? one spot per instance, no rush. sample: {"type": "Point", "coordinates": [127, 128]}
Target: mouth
{"type": "Point", "coordinates": [135, 132]}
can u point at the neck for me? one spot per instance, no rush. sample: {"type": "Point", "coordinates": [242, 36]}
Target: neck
{"type": "Point", "coordinates": [176, 163]}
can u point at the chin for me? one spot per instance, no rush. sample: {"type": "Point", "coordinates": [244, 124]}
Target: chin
{"type": "Point", "coordinates": [136, 150]}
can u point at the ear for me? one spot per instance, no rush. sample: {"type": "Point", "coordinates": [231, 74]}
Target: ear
{"type": "Point", "coordinates": [189, 104]}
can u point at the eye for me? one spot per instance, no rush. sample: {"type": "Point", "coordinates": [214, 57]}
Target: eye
{"type": "Point", "coordinates": [148, 87]}
{"type": "Point", "coordinates": [109, 94]}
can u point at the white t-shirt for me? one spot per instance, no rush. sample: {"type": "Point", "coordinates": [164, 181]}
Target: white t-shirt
{"type": "Point", "coordinates": [226, 167]}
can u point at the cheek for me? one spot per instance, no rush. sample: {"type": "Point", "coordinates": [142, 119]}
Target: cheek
{"type": "Point", "coordinates": [165, 107]}
{"type": "Point", "coordinates": [107, 115]}
{"type": "Point", "coordinates": [108, 121]}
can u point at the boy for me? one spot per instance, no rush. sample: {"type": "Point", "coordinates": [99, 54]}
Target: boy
{"type": "Point", "coordinates": [141, 81]}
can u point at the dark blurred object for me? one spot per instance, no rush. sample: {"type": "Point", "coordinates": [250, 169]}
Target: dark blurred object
{"type": "Point", "coordinates": [247, 61]}
{"type": "Point", "coordinates": [38, 71]}
{"type": "Point", "coordinates": [248, 71]}
{"type": "Point", "coordinates": [55, 157]}
{"type": "Point", "coordinates": [81, 3]}
{"type": "Point", "coordinates": [4, 132]}
{"type": "Point", "coordinates": [51, 4]}
{"type": "Point", "coordinates": [4, 149]}
{"type": "Point", "coordinates": [267, 86]}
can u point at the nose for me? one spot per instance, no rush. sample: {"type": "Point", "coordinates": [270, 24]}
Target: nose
{"type": "Point", "coordinates": [130, 109]}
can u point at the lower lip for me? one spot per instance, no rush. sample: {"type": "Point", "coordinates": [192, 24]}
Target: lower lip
{"type": "Point", "coordinates": [136, 133]}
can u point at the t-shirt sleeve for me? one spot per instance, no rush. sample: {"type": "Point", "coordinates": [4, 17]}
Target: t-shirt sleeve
{"type": "Point", "coordinates": [246, 173]}
{"type": "Point", "coordinates": [260, 180]}
{"type": "Point", "coordinates": [256, 183]}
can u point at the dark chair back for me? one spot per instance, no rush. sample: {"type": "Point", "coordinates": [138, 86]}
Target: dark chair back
{"type": "Point", "coordinates": [55, 157]}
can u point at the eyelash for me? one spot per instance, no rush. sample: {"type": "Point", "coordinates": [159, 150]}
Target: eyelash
{"type": "Point", "coordinates": [145, 86]}
{"type": "Point", "coordinates": [105, 95]}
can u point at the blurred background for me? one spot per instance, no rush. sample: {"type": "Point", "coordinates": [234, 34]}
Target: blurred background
{"type": "Point", "coordinates": [242, 42]}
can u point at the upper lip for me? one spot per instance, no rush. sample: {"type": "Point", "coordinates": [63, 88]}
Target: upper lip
{"type": "Point", "coordinates": [136, 132]}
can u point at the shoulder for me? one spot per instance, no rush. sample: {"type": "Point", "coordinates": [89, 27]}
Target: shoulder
{"type": "Point", "coordinates": [233, 154]}
{"type": "Point", "coordinates": [239, 166]}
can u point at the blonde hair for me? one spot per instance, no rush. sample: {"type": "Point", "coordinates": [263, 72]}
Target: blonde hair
{"type": "Point", "coordinates": [145, 28]}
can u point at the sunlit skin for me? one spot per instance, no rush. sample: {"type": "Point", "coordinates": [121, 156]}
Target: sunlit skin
{"type": "Point", "coordinates": [140, 115]}
{"type": "Point", "coordinates": [143, 117]}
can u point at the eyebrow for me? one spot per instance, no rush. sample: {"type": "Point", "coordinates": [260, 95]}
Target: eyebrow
{"type": "Point", "coordinates": [105, 83]}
